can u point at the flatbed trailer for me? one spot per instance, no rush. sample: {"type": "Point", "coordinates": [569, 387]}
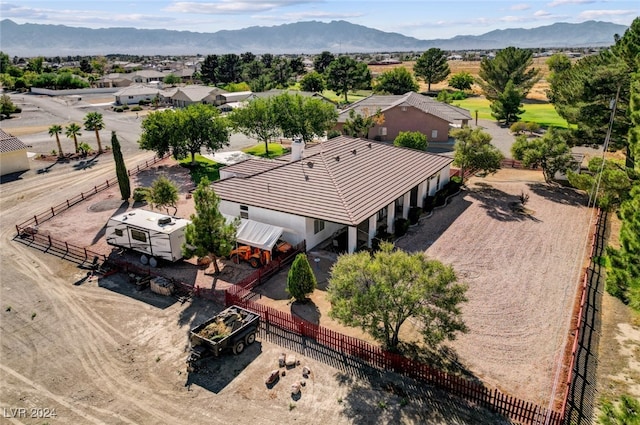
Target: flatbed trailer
{"type": "Point", "coordinates": [230, 330]}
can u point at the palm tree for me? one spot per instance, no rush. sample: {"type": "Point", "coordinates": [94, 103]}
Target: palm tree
{"type": "Point", "coordinates": [93, 121]}
{"type": "Point", "coordinates": [72, 132]}
{"type": "Point", "coordinates": [55, 130]}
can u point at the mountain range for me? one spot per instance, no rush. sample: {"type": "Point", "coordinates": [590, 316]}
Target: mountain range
{"type": "Point", "coordinates": [297, 38]}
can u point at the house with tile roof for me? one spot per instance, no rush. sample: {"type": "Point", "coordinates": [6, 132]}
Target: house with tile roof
{"type": "Point", "coordinates": [345, 184]}
{"type": "Point", "coordinates": [135, 93]}
{"type": "Point", "coordinates": [188, 95]}
{"type": "Point", "coordinates": [408, 112]}
{"type": "Point", "coordinates": [13, 154]}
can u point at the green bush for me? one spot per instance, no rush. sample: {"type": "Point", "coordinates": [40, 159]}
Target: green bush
{"type": "Point", "coordinates": [401, 226]}
{"type": "Point", "coordinates": [118, 109]}
{"type": "Point", "coordinates": [136, 108]}
{"type": "Point", "coordinates": [414, 214]}
{"type": "Point", "coordinates": [140, 194]}
{"type": "Point", "coordinates": [331, 134]}
{"type": "Point", "coordinates": [125, 107]}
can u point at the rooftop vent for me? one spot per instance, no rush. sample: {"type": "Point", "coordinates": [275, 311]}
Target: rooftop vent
{"type": "Point", "coordinates": [310, 164]}
{"type": "Point", "coordinates": [337, 158]}
{"type": "Point", "coordinates": [164, 220]}
{"type": "Point", "coordinates": [353, 151]}
{"type": "Point", "coordinates": [369, 145]}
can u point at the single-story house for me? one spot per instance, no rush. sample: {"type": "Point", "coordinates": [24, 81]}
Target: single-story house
{"type": "Point", "coordinates": [135, 93]}
{"type": "Point", "coordinates": [408, 112]}
{"type": "Point", "coordinates": [13, 154]}
{"type": "Point", "coordinates": [189, 95]}
{"type": "Point", "coordinates": [344, 184]}
{"type": "Point", "coordinates": [114, 79]}
{"type": "Point", "coordinates": [231, 97]}
{"type": "Point", "coordinates": [147, 75]}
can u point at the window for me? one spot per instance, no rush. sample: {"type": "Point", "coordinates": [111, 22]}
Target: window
{"type": "Point", "coordinates": [244, 211]}
{"type": "Point", "coordinates": [118, 232]}
{"type": "Point", "coordinates": [138, 235]}
{"type": "Point", "coordinates": [318, 226]}
{"type": "Point", "coordinates": [382, 131]}
{"type": "Point", "coordinates": [434, 134]}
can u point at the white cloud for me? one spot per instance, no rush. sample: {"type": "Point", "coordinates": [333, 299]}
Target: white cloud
{"type": "Point", "coordinates": [304, 16]}
{"type": "Point", "coordinates": [542, 14]}
{"type": "Point", "coordinates": [599, 14]}
{"type": "Point", "coordinates": [563, 2]}
{"type": "Point", "coordinates": [232, 6]}
{"type": "Point", "coordinates": [520, 6]}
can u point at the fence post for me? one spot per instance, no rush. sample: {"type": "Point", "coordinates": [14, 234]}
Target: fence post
{"type": "Point", "coordinates": [35, 218]}
{"type": "Point", "coordinates": [85, 253]}
{"type": "Point", "coordinates": [266, 320]}
{"type": "Point", "coordinates": [49, 237]}
{"type": "Point", "coordinates": [53, 212]}
{"type": "Point", "coordinates": [66, 247]}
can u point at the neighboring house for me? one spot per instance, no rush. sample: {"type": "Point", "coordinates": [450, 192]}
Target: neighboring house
{"type": "Point", "coordinates": [114, 79]}
{"type": "Point", "coordinates": [232, 97]}
{"type": "Point", "coordinates": [345, 184]}
{"type": "Point", "coordinates": [134, 94]}
{"type": "Point", "coordinates": [146, 76]}
{"type": "Point", "coordinates": [13, 154]}
{"type": "Point", "coordinates": [185, 74]}
{"type": "Point", "coordinates": [408, 112]}
{"type": "Point", "coordinates": [189, 95]}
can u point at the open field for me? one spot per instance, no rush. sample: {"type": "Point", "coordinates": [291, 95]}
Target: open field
{"type": "Point", "coordinates": [542, 113]}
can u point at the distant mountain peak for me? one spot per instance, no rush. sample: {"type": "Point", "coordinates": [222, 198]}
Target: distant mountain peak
{"type": "Point", "coordinates": [337, 36]}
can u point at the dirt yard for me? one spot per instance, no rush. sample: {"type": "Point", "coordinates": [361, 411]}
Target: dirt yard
{"type": "Point", "coordinates": [522, 271]}
{"type": "Point", "coordinates": [99, 352]}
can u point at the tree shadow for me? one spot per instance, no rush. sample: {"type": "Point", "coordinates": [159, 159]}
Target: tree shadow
{"type": "Point", "coordinates": [499, 205]}
{"type": "Point", "coordinates": [46, 169]}
{"type": "Point", "coordinates": [307, 310]}
{"type": "Point", "coordinates": [559, 194]}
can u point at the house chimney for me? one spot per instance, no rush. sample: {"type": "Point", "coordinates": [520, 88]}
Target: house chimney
{"type": "Point", "coordinates": [297, 149]}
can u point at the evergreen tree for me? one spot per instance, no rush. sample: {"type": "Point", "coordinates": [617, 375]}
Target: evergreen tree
{"type": "Point", "coordinates": [300, 281]}
{"type": "Point", "coordinates": [510, 64]}
{"type": "Point", "coordinates": [121, 169]}
{"type": "Point", "coordinates": [506, 107]}
{"type": "Point", "coordinates": [208, 233]}
{"type": "Point", "coordinates": [396, 81]}
{"type": "Point", "coordinates": [345, 74]}
{"type": "Point", "coordinates": [432, 66]}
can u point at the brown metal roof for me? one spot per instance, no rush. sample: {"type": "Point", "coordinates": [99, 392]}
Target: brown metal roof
{"type": "Point", "coordinates": [369, 105]}
{"type": "Point", "coordinates": [344, 180]}
{"type": "Point", "coordinates": [9, 143]}
{"type": "Point", "coordinates": [252, 166]}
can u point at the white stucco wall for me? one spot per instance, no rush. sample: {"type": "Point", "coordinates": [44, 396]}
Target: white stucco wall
{"type": "Point", "coordinates": [12, 162]}
{"type": "Point", "coordinates": [296, 228]}
{"type": "Point", "coordinates": [445, 176]}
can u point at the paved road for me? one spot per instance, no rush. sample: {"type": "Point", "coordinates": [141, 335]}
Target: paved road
{"type": "Point", "coordinates": [43, 111]}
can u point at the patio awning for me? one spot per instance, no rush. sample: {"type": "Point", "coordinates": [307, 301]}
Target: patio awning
{"type": "Point", "coordinates": [256, 234]}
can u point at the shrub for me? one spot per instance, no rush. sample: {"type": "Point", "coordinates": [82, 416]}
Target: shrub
{"type": "Point", "coordinates": [414, 214]}
{"type": "Point", "coordinates": [532, 127]}
{"type": "Point", "coordinates": [136, 108]}
{"type": "Point", "coordinates": [125, 107]}
{"type": "Point", "coordinates": [331, 134]}
{"type": "Point", "coordinates": [118, 109]}
{"type": "Point", "coordinates": [518, 127]}
{"type": "Point", "coordinates": [401, 226]}
{"type": "Point", "coordinates": [140, 194]}
{"type": "Point", "coordinates": [300, 281]}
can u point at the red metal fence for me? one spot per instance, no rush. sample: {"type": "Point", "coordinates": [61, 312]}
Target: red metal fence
{"type": "Point", "coordinates": [264, 273]}
{"type": "Point", "coordinates": [512, 407]}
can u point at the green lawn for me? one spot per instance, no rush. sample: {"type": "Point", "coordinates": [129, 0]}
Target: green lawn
{"type": "Point", "coordinates": [542, 113]}
{"type": "Point", "coordinates": [203, 167]}
{"type": "Point", "coordinates": [275, 150]}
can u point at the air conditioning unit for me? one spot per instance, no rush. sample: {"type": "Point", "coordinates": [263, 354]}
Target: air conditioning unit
{"type": "Point", "coordinates": [164, 220]}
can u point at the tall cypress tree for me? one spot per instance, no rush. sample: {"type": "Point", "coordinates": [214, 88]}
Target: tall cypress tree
{"type": "Point", "coordinates": [121, 168]}
{"type": "Point", "coordinates": [300, 281]}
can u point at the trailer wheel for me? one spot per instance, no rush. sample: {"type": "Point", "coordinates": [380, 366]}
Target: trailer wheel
{"type": "Point", "coordinates": [239, 347]}
{"type": "Point", "coordinates": [153, 262]}
{"type": "Point", "coordinates": [144, 259]}
{"type": "Point", "coordinates": [250, 339]}
{"type": "Point", "coordinates": [254, 262]}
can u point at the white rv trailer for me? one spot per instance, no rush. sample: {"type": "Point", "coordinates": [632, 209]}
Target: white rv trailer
{"type": "Point", "coordinates": [152, 234]}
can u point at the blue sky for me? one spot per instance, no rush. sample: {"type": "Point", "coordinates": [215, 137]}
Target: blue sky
{"type": "Point", "coordinates": [423, 19]}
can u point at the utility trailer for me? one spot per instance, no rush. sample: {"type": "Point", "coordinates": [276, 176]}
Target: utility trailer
{"type": "Point", "coordinates": [155, 236]}
{"type": "Point", "coordinates": [232, 329]}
